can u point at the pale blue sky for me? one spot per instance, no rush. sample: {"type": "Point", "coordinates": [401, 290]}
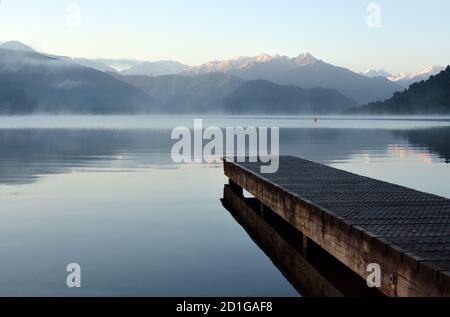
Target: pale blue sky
{"type": "Point", "coordinates": [414, 33]}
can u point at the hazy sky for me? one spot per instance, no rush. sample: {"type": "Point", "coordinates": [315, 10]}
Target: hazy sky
{"type": "Point", "coordinates": [413, 34]}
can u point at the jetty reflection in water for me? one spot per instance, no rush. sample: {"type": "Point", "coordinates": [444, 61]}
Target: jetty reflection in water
{"type": "Point", "coordinates": [311, 271]}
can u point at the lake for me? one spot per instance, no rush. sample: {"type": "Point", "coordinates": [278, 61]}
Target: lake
{"type": "Point", "coordinates": [103, 192]}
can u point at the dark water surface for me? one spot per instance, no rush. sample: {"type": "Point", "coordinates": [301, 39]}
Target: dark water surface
{"type": "Point", "coordinates": [103, 192]}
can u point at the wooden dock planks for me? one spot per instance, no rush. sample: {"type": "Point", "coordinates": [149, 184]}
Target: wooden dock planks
{"type": "Point", "coordinates": [360, 220]}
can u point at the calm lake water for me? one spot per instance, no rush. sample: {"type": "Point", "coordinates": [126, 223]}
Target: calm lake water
{"type": "Point", "coordinates": [103, 192]}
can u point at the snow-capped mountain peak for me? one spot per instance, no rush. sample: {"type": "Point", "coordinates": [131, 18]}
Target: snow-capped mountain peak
{"type": "Point", "coordinates": [431, 70]}
{"type": "Point", "coordinates": [399, 76]}
{"type": "Point", "coordinates": [406, 79]}
{"type": "Point", "coordinates": [264, 58]}
{"type": "Point", "coordinates": [376, 73]}
{"type": "Point", "coordinates": [305, 59]}
{"type": "Point", "coordinates": [427, 71]}
{"type": "Point", "coordinates": [242, 63]}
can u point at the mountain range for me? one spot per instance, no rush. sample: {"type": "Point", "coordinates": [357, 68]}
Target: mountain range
{"type": "Point", "coordinates": [31, 82]}
{"type": "Point", "coordinates": [249, 66]}
{"type": "Point", "coordinates": [16, 46]}
{"type": "Point", "coordinates": [159, 68]}
{"type": "Point", "coordinates": [405, 79]}
{"type": "Point", "coordinates": [304, 71]}
{"type": "Point", "coordinates": [222, 93]}
{"type": "Point", "coordinates": [261, 96]}
{"type": "Point", "coordinates": [376, 73]}
{"type": "Point", "coordinates": [431, 96]}
{"type": "Point", "coordinates": [39, 82]}
{"type": "Point", "coordinates": [186, 94]}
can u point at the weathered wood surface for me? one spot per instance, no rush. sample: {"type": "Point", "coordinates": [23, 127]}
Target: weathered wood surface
{"type": "Point", "coordinates": [314, 273]}
{"type": "Point", "coordinates": [359, 221]}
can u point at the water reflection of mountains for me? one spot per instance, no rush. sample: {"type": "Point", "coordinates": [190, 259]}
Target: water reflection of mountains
{"type": "Point", "coordinates": [436, 140]}
{"type": "Point", "coordinates": [27, 154]}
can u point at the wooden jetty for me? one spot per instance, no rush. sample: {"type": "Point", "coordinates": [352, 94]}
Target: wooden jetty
{"type": "Point", "coordinates": [359, 221]}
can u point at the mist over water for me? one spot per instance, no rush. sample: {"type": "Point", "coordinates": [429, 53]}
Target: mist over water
{"type": "Point", "coordinates": [106, 194]}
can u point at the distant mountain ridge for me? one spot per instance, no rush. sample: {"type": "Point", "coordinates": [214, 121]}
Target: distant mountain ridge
{"type": "Point", "coordinates": [426, 97]}
{"type": "Point", "coordinates": [34, 83]}
{"type": "Point", "coordinates": [264, 97]}
{"type": "Point", "coordinates": [406, 80]}
{"type": "Point", "coordinates": [222, 93]}
{"type": "Point", "coordinates": [119, 65]}
{"type": "Point", "coordinates": [91, 63]}
{"type": "Point", "coordinates": [16, 46]}
{"type": "Point", "coordinates": [37, 82]}
{"type": "Point", "coordinates": [245, 63]}
{"type": "Point", "coordinates": [159, 68]}
{"type": "Point", "coordinates": [304, 71]}
{"type": "Point", "coordinates": [187, 94]}
{"type": "Point", "coordinates": [376, 73]}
